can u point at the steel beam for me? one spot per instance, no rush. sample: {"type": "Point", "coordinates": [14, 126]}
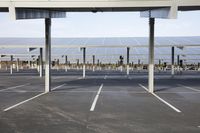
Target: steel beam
{"type": "Point", "coordinates": [41, 62]}
{"type": "Point", "coordinates": [127, 65]}
{"type": "Point", "coordinates": [93, 63]}
{"type": "Point", "coordinates": [66, 63]}
{"type": "Point", "coordinates": [84, 60]}
{"type": "Point", "coordinates": [47, 54]}
{"type": "Point", "coordinates": [172, 66]}
{"type": "Point", "coordinates": [151, 55]}
{"type": "Point", "coordinates": [11, 64]}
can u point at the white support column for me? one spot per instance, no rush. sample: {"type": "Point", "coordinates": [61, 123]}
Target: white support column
{"type": "Point", "coordinates": [172, 66]}
{"type": "Point", "coordinates": [128, 54]}
{"type": "Point", "coordinates": [57, 64]}
{"type": "Point", "coordinates": [41, 62]}
{"type": "Point", "coordinates": [29, 64]}
{"type": "Point", "coordinates": [11, 64]}
{"type": "Point", "coordinates": [84, 62]}
{"type": "Point", "coordinates": [151, 55]}
{"type": "Point", "coordinates": [47, 54]}
{"type": "Point", "coordinates": [17, 64]}
{"type": "Point", "coordinates": [66, 63]}
{"type": "Point", "coordinates": [93, 63]}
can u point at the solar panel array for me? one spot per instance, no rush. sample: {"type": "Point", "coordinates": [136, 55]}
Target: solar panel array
{"type": "Point", "coordinates": [107, 50]}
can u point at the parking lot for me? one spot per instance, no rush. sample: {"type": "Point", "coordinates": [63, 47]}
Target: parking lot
{"type": "Point", "coordinates": [104, 102]}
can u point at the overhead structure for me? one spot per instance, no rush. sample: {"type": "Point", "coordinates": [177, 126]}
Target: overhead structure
{"type": "Point", "coordinates": [32, 9]}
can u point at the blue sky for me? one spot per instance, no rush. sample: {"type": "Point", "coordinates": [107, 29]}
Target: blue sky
{"type": "Point", "coordinates": [124, 24]}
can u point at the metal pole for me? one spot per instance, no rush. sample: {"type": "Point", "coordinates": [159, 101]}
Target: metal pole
{"type": "Point", "coordinates": [178, 63]}
{"type": "Point", "coordinates": [172, 67]}
{"type": "Point", "coordinates": [41, 62]}
{"type": "Point", "coordinates": [11, 64]}
{"type": "Point", "coordinates": [128, 54]}
{"type": "Point", "coordinates": [47, 54]}
{"type": "Point", "coordinates": [37, 63]}
{"type": "Point", "coordinates": [84, 62]}
{"type": "Point", "coordinates": [66, 61]}
{"type": "Point", "coordinates": [17, 64]}
{"type": "Point", "coordinates": [93, 63]}
{"type": "Point", "coordinates": [0, 63]}
{"type": "Point", "coordinates": [151, 55]}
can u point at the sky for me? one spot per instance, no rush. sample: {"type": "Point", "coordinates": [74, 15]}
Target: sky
{"type": "Point", "coordinates": [123, 24]}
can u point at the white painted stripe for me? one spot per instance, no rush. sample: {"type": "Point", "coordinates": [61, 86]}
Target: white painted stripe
{"type": "Point", "coordinates": [105, 77]}
{"type": "Point", "coordinates": [143, 87]}
{"type": "Point", "coordinates": [58, 87]}
{"type": "Point", "coordinates": [20, 91]}
{"type": "Point", "coordinates": [162, 100]}
{"type": "Point", "coordinates": [96, 98]}
{"type": "Point", "coordinates": [11, 107]}
{"type": "Point", "coordinates": [187, 87]}
{"type": "Point", "coordinates": [198, 126]}
{"type": "Point", "coordinates": [14, 87]}
{"type": "Point", "coordinates": [136, 92]}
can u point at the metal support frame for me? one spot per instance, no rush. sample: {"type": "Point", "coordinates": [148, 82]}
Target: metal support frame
{"type": "Point", "coordinates": [151, 55]}
{"type": "Point", "coordinates": [41, 62]}
{"type": "Point", "coordinates": [11, 64]}
{"type": "Point", "coordinates": [172, 66]}
{"type": "Point", "coordinates": [77, 64]}
{"type": "Point", "coordinates": [17, 64]}
{"type": "Point", "coordinates": [178, 63]}
{"type": "Point", "coordinates": [127, 65]}
{"type": "Point", "coordinates": [47, 54]}
{"type": "Point", "coordinates": [84, 60]}
{"type": "Point", "coordinates": [66, 63]}
{"type": "Point", "coordinates": [93, 63]}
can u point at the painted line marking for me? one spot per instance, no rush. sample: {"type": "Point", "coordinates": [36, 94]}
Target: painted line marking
{"type": "Point", "coordinates": [58, 87]}
{"type": "Point", "coordinates": [11, 107]}
{"type": "Point", "coordinates": [20, 103]}
{"type": "Point", "coordinates": [96, 98]}
{"type": "Point", "coordinates": [162, 100]}
{"type": "Point", "coordinates": [80, 78]}
{"type": "Point", "coordinates": [187, 87]}
{"type": "Point", "coordinates": [14, 87]}
{"type": "Point", "coordinates": [105, 77]}
{"type": "Point", "coordinates": [198, 126]}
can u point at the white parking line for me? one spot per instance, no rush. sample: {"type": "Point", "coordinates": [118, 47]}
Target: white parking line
{"type": "Point", "coordinates": [162, 100]}
{"type": "Point", "coordinates": [187, 87]}
{"type": "Point", "coordinates": [14, 87]}
{"type": "Point", "coordinates": [11, 107]}
{"type": "Point", "coordinates": [96, 98]}
{"type": "Point", "coordinates": [58, 87]}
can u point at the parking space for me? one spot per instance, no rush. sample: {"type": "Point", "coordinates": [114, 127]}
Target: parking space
{"type": "Point", "coordinates": [109, 103]}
